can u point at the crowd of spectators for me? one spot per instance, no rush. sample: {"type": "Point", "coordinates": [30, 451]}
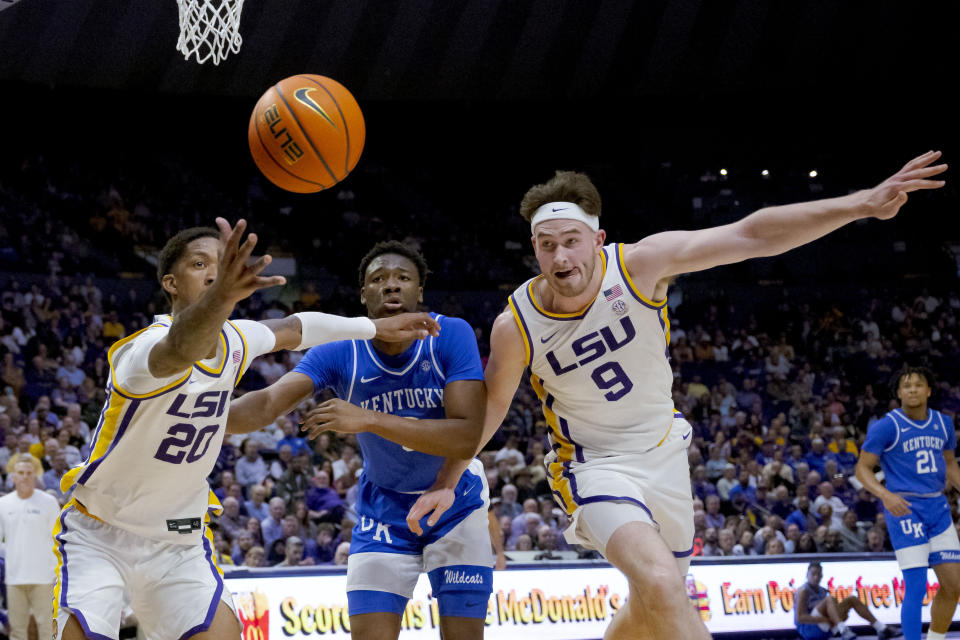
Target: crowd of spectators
{"type": "Point", "coordinates": [780, 393]}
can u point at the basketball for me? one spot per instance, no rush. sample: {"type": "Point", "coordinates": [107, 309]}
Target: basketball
{"type": "Point", "coordinates": [306, 133]}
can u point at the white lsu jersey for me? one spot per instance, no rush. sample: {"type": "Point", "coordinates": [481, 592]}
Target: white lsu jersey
{"type": "Point", "coordinates": [157, 440]}
{"type": "Point", "coordinates": [601, 373]}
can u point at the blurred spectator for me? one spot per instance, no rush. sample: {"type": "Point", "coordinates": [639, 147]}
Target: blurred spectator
{"type": "Point", "coordinates": [271, 526]}
{"type": "Point", "coordinates": [509, 506]}
{"type": "Point", "coordinates": [323, 502]}
{"type": "Point", "coordinates": [256, 506]}
{"type": "Point", "coordinates": [251, 469]}
{"type": "Point", "coordinates": [342, 553]}
{"type": "Point", "coordinates": [294, 554]}
{"type": "Point", "coordinates": [255, 557]}
{"type": "Point", "coordinates": [295, 481]}
{"type": "Point", "coordinates": [230, 520]}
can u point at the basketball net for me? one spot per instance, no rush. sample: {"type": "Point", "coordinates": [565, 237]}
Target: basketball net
{"type": "Point", "coordinates": [209, 29]}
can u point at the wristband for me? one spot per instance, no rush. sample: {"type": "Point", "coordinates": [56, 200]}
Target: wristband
{"type": "Point", "coordinates": [317, 328]}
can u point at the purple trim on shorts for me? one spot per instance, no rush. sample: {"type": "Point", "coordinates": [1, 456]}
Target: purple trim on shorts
{"type": "Point", "coordinates": [86, 628]}
{"type": "Point", "coordinates": [212, 609]}
{"type": "Point", "coordinates": [563, 502]}
{"type": "Point", "coordinates": [683, 554]}
{"type": "Point", "coordinates": [63, 555]}
{"type": "Point", "coordinates": [127, 417]}
{"type": "Point", "coordinates": [609, 498]}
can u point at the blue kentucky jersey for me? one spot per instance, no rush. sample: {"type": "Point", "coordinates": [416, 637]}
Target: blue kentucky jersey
{"type": "Point", "coordinates": [409, 385]}
{"type": "Point", "coordinates": [911, 453]}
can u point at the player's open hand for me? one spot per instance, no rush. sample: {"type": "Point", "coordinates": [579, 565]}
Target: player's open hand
{"type": "Point", "coordinates": [434, 502]}
{"type": "Point", "coordinates": [337, 415]}
{"type": "Point", "coordinates": [885, 200]}
{"type": "Point", "coordinates": [236, 279]}
{"type": "Point", "coordinates": [406, 326]}
{"type": "Point", "coordinates": [896, 504]}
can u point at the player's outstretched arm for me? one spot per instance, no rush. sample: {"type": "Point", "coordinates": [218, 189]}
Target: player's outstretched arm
{"type": "Point", "coordinates": [454, 436]}
{"type": "Point", "coordinates": [257, 409]}
{"type": "Point", "coordinates": [307, 329]}
{"type": "Point", "coordinates": [502, 375]}
{"type": "Point", "coordinates": [194, 331]}
{"type": "Point", "coordinates": [894, 503]}
{"type": "Point", "coordinates": [773, 230]}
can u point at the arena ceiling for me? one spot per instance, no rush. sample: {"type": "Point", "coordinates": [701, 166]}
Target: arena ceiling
{"type": "Point", "coordinates": [500, 50]}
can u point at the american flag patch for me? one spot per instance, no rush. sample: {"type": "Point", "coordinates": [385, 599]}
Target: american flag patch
{"type": "Point", "coordinates": [613, 292]}
{"type": "Point", "coordinates": [236, 356]}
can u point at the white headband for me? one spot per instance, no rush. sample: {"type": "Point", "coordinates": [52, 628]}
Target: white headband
{"type": "Point", "coordinates": [563, 211]}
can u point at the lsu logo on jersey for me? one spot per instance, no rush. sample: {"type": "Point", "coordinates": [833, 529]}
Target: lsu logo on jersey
{"type": "Point", "coordinates": [594, 345]}
{"type": "Point", "coordinates": [184, 442]}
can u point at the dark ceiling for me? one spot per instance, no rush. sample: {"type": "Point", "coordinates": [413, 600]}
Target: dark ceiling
{"type": "Point", "coordinates": [711, 52]}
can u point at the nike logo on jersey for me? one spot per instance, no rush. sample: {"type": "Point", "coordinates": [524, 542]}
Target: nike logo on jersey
{"type": "Point", "coordinates": [469, 489]}
{"type": "Point", "coordinates": [687, 435]}
{"type": "Point", "coordinates": [548, 338]}
{"type": "Point", "coordinates": [366, 380]}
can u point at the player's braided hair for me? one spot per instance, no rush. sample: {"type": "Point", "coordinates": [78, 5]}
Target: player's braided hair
{"type": "Point", "coordinates": [909, 370]}
{"type": "Point", "coordinates": [176, 247]}
{"type": "Point", "coordinates": [393, 246]}
{"type": "Point", "coordinates": [564, 186]}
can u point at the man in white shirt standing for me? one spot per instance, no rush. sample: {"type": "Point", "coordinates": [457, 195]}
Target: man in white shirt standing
{"type": "Point", "coordinates": [27, 517]}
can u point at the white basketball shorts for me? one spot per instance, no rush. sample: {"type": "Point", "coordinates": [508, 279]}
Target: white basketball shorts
{"type": "Point", "coordinates": [174, 590]}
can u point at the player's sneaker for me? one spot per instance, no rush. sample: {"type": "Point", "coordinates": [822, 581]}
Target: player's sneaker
{"type": "Point", "coordinates": [892, 631]}
{"type": "Point", "coordinates": [847, 634]}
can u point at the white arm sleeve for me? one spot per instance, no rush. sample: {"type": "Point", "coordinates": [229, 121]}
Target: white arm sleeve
{"type": "Point", "coordinates": [259, 337]}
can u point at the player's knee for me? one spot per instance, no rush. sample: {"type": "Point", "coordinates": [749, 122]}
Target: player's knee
{"type": "Point", "coordinates": [951, 592]}
{"type": "Point", "coordinates": [658, 585]}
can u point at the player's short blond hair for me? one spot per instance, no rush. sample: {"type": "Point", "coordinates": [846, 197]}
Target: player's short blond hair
{"type": "Point", "coordinates": [564, 186]}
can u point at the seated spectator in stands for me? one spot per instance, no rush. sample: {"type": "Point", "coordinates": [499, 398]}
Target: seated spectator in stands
{"type": "Point", "coordinates": [876, 540]}
{"type": "Point", "coordinates": [226, 479]}
{"type": "Point", "coordinates": [70, 372]}
{"type": "Point", "coordinates": [251, 468]}
{"type": "Point", "coordinates": [817, 457]}
{"type": "Point", "coordinates": [701, 486]}
{"type": "Point", "coordinates": [727, 482]}
{"type": "Point", "coordinates": [776, 473]}
{"type": "Point", "coordinates": [271, 366]}
{"type": "Point", "coordinates": [23, 449]}
{"type": "Point", "coordinates": [774, 547]}
{"type": "Point", "coordinates": [52, 477]}
{"type": "Point", "coordinates": [711, 538]}
{"type": "Point", "coordinates": [256, 530]}
{"type": "Point", "coordinates": [506, 528]}
{"type": "Point", "coordinates": [71, 453]}
{"type": "Point", "coordinates": [294, 554]}
{"type": "Point", "coordinates": [221, 548]}
{"type": "Point", "coordinates": [783, 506]}
{"type": "Point", "coordinates": [820, 537]}
{"type": "Point", "coordinates": [230, 520]}
{"type": "Point", "coordinates": [844, 449]}
{"type": "Point", "coordinates": [255, 557]}
{"type": "Point", "coordinates": [342, 464]}
{"type": "Point", "coordinates": [547, 541]}
{"type": "Point", "coordinates": [743, 488]}
{"type": "Point", "coordinates": [277, 552]}
{"type": "Point", "coordinates": [284, 457]}
{"type": "Point", "coordinates": [833, 543]}
{"type": "Point", "coordinates": [525, 524]}
{"type": "Point", "coordinates": [43, 414]}
{"type": "Point", "coordinates": [295, 481]}
{"type": "Point", "coordinates": [793, 537]}
{"type": "Point", "coordinates": [343, 552]}
{"type": "Point", "coordinates": [257, 506]}
{"type": "Point", "coordinates": [511, 453]}
{"type": "Point", "coordinates": [323, 450]}
{"type": "Point", "coordinates": [842, 489]}
{"type": "Point", "coordinates": [725, 542]}
{"type": "Point", "coordinates": [712, 514]}
{"type": "Point", "coordinates": [524, 543]}
{"type": "Point", "coordinates": [272, 525]}
{"type": "Point", "coordinates": [322, 501]}
{"type": "Point", "coordinates": [716, 464]}
{"type": "Point", "coordinates": [63, 395]}
{"type": "Point", "coordinates": [12, 374]}
{"type": "Point", "coordinates": [745, 546]}
{"type": "Point", "coordinates": [865, 506]}
{"type": "Point", "coordinates": [838, 508]}
{"type": "Point", "coordinates": [9, 441]}
{"type": "Point", "coordinates": [297, 444]}
{"type": "Point", "coordinates": [81, 432]}
{"type": "Point", "coordinates": [854, 538]}
{"type": "Point", "coordinates": [523, 480]}
{"type": "Point", "coordinates": [324, 545]}
{"type": "Point", "coordinates": [806, 544]}
{"type": "Point", "coordinates": [241, 545]}
{"type": "Point", "coordinates": [508, 502]}
{"type": "Point", "coordinates": [812, 486]}
{"type": "Point", "coordinates": [113, 329]}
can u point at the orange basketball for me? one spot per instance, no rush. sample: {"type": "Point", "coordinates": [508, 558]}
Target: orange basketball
{"type": "Point", "coordinates": [306, 133]}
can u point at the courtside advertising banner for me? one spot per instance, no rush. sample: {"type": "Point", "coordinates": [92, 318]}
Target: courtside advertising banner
{"type": "Point", "coordinates": [571, 602]}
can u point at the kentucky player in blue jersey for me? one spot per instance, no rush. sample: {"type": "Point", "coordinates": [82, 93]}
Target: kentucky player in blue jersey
{"type": "Point", "coordinates": [914, 445]}
{"type": "Point", "coordinates": [412, 405]}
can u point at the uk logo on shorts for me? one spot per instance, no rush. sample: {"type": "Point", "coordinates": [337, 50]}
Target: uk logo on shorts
{"type": "Point", "coordinates": [911, 528]}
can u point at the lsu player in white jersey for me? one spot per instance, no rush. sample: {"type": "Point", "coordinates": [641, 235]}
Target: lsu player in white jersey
{"type": "Point", "coordinates": [135, 531]}
{"type": "Point", "coordinates": [593, 331]}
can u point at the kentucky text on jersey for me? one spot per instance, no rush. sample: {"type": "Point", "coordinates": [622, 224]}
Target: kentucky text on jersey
{"type": "Point", "coordinates": [400, 400]}
{"type": "Point", "coordinates": [928, 442]}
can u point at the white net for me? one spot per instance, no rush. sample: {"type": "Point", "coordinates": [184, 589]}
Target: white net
{"type": "Point", "coordinates": [209, 29]}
